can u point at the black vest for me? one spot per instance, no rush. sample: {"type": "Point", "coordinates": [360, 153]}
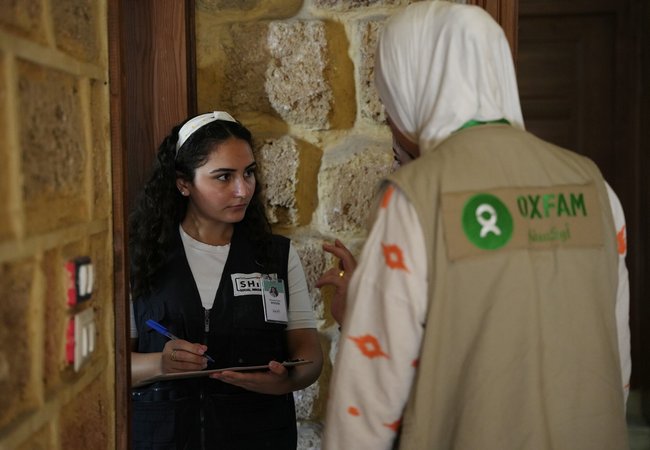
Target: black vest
{"type": "Point", "coordinates": [201, 412]}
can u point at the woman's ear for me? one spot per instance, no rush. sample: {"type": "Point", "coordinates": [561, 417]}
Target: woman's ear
{"type": "Point", "coordinates": [183, 186]}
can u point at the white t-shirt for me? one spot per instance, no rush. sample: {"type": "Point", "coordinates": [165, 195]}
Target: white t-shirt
{"type": "Point", "coordinates": [207, 263]}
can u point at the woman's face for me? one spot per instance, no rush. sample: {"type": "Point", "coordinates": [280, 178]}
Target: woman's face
{"type": "Point", "coordinates": [224, 185]}
{"type": "Point", "coordinates": [404, 150]}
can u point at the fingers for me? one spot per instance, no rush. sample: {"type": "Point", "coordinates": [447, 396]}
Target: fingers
{"type": "Point", "coordinates": [337, 249]}
{"type": "Point", "coordinates": [184, 357]}
{"type": "Point", "coordinates": [181, 356]}
{"type": "Point", "coordinates": [277, 368]}
{"type": "Point", "coordinates": [331, 278]}
{"type": "Point", "coordinates": [270, 381]}
{"type": "Point", "coordinates": [347, 261]}
{"type": "Point", "coordinates": [227, 376]}
{"type": "Point", "coordinates": [338, 277]}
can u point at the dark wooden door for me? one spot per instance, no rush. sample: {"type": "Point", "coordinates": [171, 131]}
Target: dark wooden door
{"type": "Point", "coordinates": [152, 88]}
{"type": "Point", "coordinates": [580, 83]}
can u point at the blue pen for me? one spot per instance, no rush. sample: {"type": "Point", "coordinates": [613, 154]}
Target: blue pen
{"type": "Point", "coordinates": [165, 332]}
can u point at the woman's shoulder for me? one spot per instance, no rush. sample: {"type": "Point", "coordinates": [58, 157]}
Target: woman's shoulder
{"type": "Point", "coordinates": [279, 238]}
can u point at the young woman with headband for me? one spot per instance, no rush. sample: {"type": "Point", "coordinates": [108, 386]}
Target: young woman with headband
{"type": "Point", "coordinates": [203, 260]}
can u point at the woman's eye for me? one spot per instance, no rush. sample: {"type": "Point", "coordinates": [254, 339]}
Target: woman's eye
{"type": "Point", "coordinates": [249, 173]}
{"type": "Point", "coordinates": [223, 177]}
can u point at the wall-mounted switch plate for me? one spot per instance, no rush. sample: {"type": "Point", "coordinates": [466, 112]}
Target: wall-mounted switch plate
{"type": "Point", "coordinates": [80, 338]}
{"type": "Point", "coordinates": [81, 278]}
{"type": "Point", "coordinates": [69, 342]}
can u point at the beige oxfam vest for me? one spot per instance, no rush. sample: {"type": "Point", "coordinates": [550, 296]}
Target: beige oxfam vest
{"type": "Point", "coordinates": [520, 345]}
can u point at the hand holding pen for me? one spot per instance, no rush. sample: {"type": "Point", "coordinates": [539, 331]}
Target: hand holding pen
{"type": "Point", "coordinates": [183, 355]}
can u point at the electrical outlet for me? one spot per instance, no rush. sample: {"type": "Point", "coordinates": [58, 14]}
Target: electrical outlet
{"type": "Point", "coordinates": [80, 338]}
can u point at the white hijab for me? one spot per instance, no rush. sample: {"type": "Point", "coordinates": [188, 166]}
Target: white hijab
{"type": "Point", "coordinates": [441, 64]}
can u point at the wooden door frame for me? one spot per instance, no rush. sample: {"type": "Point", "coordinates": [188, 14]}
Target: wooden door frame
{"type": "Point", "coordinates": [120, 267]}
{"type": "Point", "coordinates": [152, 87]}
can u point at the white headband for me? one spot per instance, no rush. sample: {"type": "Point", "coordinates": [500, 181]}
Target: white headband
{"type": "Point", "coordinates": [197, 122]}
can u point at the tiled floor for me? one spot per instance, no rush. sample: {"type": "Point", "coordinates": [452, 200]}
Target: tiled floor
{"type": "Point", "coordinates": [639, 429]}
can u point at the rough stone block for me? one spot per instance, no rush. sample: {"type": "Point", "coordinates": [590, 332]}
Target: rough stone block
{"type": "Point", "coordinates": [308, 404]}
{"type": "Point", "coordinates": [275, 68]}
{"type": "Point", "coordinates": [340, 75]}
{"type": "Point", "coordinates": [16, 323]}
{"type": "Point", "coordinates": [40, 440]}
{"type": "Point", "coordinates": [315, 263]}
{"type": "Point", "coordinates": [23, 17]}
{"type": "Point", "coordinates": [347, 5]}
{"type": "Point", "coordinates": [278, 162]}
{"type": "Point", "coordinates": [85, 421]}
{"type": "Point", "coordinates": [217, 6]}
{"type": "Point", "coordinates": [6, 214]}
{"type": "Point", "coordinates": [366, 33]}
{"type": "Point", "coordinates": [100, 128]}
{"type": "Point", "coordinates": [310, 435]}
{"type": "Point", "coordinates": [55, 319]}
{"type": "Point", "coordinates": [231, 66]}
{"type": "Point", "coordinates": [287, 174]}
{"type": "Point", "coordinates": [252, 8]}
{"type": "Point", "coordinates": [295, 81]}
{"type": "Point", "coordinates": [75, 27]}
{"type": "Point", "coordinates": [52, 148]}
{"type": "Point", "coordinates": [348, 183]}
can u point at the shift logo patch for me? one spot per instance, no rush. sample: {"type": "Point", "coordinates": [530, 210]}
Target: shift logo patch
{"type": "Point", "coordinates": [246, 284]}
{"type": "Point", "coordinates": [487, 223]}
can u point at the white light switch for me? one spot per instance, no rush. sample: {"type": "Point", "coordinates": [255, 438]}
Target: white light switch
{"type": "Point", "coordinates": [84, 337]}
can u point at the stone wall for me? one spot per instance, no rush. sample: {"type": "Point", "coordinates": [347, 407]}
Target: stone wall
{"type": "Point", "coordinates": [55, 205]}
{"type": "Point", "coordinates": [300, 74]}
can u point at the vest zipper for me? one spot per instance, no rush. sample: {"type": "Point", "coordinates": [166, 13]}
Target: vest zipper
{"type": "Point", "coordinates": [206, 331]}
{"type": "Point", "coordinates": [206, 324]}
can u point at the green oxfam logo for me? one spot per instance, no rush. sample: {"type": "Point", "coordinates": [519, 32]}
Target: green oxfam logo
{"type": "Point", "coordinates": [487, 222]}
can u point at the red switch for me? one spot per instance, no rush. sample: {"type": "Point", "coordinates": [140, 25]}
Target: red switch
{"type": "Point", "coordinates": [81, 278]}
{"type": "Point", "coordinates": [69, 342]}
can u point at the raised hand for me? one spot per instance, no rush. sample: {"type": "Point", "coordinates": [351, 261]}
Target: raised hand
{"type": "Point", "coordinates": [339, 277]}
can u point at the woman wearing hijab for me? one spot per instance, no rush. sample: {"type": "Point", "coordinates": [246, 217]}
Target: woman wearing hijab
{"type": "Point", "coordinates": [489, 307]}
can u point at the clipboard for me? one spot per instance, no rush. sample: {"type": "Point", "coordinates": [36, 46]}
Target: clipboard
{"type": "Point", "coordinates": [205, 373]}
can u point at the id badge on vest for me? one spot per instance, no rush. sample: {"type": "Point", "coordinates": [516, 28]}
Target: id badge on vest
{"type": "Point", "coordinates": [274, 300]}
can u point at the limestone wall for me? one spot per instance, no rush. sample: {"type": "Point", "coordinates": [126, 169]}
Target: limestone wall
{"type": "Point", "coordinates": [300, 75]}
{"type": "Point", "coordinates": [55, 204]}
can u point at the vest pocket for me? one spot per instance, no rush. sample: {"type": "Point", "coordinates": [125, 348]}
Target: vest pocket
{"type": "Point", "coordinates": [248, 312]}
{"type": "Point", "coordinates": [162, 418]}
{"type": "Point", "coordinates": [255, 341]}
{"type": "Point", "coordinates": [248, 414]}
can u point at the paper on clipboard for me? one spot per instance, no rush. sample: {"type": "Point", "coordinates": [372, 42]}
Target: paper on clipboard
{"type": "Point", "coordinates": [205, 373]}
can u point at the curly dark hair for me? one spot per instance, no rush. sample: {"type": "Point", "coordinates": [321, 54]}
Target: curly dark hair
{"type": "Point", "coordinates": [160, 208]}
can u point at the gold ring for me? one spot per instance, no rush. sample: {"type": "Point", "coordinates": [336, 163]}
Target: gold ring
{"type": "Point", "coordinates": [173, 355]}
{"type": "Point", "coordinates": [341, 273]}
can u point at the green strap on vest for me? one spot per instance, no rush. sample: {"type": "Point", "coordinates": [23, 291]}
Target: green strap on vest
{"type": "Point", "coordinates": [472, 123]}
